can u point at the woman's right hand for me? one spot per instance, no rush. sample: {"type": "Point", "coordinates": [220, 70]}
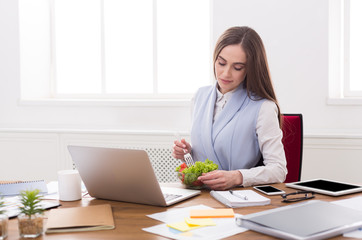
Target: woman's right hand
{"type": "Point", "coordinates": [180, 148]}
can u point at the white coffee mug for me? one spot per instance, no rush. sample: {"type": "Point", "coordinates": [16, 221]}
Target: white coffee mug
{"type": "Point", "coordinates": [69, 185]}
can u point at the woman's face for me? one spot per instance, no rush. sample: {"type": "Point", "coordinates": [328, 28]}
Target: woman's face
{"type": "Point", "coordinates": [230, 68]}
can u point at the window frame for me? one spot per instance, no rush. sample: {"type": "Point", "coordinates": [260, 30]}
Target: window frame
{"type": "Point", "coordinates": [346, 50]}
{"type": "Point", "coordinates": [154, 97]}
{"type": "Point", "coordinates": [338, 80]}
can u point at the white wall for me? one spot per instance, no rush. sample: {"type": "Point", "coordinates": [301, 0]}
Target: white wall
{"type": "Point", "coordinates": [16, 114]}
{"type": "Point", "coordinates": [295, 34]}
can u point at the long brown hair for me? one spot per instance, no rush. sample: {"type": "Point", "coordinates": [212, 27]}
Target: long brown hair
{"type": "Point", "coordinates": [257, 81]}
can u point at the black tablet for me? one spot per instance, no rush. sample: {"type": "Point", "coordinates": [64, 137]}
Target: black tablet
{"type": "Point", "coordinates": [324, 186]}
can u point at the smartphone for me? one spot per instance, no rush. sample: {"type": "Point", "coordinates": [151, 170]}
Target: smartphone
{"type": "Point", "coordinates": [269, 190]}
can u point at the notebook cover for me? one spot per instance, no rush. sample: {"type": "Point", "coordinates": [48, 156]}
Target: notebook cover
{"type": "Point", "coordinates": [90, 218]}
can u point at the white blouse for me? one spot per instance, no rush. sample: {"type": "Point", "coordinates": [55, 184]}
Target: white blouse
{"type": "Point", "coordinates": [221, 100]}
{"type": "Point", "coordinates": [271, 146]}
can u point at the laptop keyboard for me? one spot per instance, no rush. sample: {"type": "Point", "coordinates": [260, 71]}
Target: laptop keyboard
{"type": "Point", "coordinates": [169, 197]}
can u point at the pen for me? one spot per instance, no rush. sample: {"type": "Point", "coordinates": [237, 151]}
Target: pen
{"type": "Point", "coordinates": [238, 195]}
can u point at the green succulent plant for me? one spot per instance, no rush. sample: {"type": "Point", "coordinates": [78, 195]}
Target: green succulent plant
{"type": "Point", "coordinates": [30, 200]}
{"type": "Point", "coordinates": [2, 205]}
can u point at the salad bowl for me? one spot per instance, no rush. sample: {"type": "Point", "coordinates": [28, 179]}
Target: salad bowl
{"type": "Point", "coordinates": [188, 174]}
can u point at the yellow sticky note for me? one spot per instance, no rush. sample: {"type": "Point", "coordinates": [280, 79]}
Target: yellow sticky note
{"type": "Point", "coordinates": [182, 226]}
{"type": "Point", "coordinates": [212, 213]}
{"type": "Point", "coordinates": [186, 234]}
{"type": "Point", "coordinates": [200, 222]}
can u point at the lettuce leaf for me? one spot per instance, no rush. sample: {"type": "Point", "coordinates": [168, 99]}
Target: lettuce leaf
{"type": "Point", "coordinates": [193, 172]}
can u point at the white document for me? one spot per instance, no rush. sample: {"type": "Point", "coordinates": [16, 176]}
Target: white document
{"type": "Point", "coordinates": [354, 234]}
{"type": "Point", "coordinates": [225, 227]}
{"type": "Point", "coordinates": [12, 205]}
{"type": "Point", "coordinates": [356, 204]}
{"type": "Point", "coordinates": [176, 215]}
{"type": "Point", "coordinates": [240, 198]}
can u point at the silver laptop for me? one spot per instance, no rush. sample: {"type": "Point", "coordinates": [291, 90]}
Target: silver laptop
{"type": "Point", "coordinates": [123, 175]}
{"type": "Point", "coordinates": [311, 220]}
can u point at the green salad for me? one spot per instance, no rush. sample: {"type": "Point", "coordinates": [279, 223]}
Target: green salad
{"type": "Point", "coordinates": [190, 174]}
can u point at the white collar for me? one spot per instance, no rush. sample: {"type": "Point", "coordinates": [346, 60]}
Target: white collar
{"type": "Point", "coordinates": [226, 96]}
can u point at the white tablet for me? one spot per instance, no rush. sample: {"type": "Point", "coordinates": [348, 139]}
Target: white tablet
{"type": "Point", "coordinates": [324, 186]}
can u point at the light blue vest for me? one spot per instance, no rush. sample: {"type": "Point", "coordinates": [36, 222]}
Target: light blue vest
{"type": "Point", "coordinates": [231, 141]}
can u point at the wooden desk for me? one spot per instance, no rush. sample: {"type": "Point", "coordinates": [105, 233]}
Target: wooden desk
{"type": "Point", "coordinates": [131, 218]}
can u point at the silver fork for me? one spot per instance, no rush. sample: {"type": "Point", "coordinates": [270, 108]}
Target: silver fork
{"type": "Point", "coordinates": [187, 156]}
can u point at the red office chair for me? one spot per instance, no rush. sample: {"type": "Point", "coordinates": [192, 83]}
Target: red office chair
{"type": "Point", "coordinates": [293, 145]}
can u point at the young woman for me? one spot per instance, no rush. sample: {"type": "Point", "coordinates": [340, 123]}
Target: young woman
{"type": "Point", "coordinates": [237, 121]}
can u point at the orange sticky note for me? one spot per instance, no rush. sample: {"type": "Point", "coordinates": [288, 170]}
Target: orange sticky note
{"type": "Point", "coordinates": [212, 213]}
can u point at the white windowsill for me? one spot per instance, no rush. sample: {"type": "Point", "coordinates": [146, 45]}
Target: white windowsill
{"type": "Point", "coordinates": [313, 134]}
{"type": "Point", "coordinates": [91, 131]}
{"type": "Point", "coordinates": [344, 101]}
{"type": "Point", "coordinates": [107, 102]}
{"type": "Point", "coordinates": [333, 134]}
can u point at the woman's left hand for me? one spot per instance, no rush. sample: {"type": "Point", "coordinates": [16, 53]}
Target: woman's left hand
{"type": "Point", "coordinates": [221, 180]}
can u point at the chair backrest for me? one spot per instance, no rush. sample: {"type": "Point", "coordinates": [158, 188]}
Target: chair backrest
{"type": "Point", "coordinates": [293, 145]}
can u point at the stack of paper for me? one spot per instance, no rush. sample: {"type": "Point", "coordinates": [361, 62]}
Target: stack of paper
{"type": "Point", "coordinates": [201, 218]}
{"type": "Point", "coordinates": [12, 204]}
{"type": "Point", "coordinates": [178, 223]}
{"type": "Point", "coordinates": [354, 203]}
{"type": "Point", "coordinates": [250, 198]}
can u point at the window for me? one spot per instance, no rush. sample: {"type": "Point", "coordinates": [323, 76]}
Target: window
{"type": "Point", "coordinates": [345, 36]}
{"type": "Point", "coordinates": [353, 48]}
{"type": "Point", "coordinates": [114, 49]}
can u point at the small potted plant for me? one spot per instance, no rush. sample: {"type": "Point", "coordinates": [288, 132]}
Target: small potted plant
{"type": "Point", "coordinates": [3, 221]}
{"type": "Point", "coordinates": [31, 214]}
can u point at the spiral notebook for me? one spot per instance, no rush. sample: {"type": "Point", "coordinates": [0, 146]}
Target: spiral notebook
{"type": "Point", "coordinates": [14, 188]}
{"type": "Point", "coordinates": [232, 200]}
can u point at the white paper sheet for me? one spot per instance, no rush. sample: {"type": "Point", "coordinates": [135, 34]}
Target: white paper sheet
{"type": "Point", "coordinates": [354, 234]}
{"type": "Point", "coordinates": [356, 204]}
{"type": "Point", "coordinates": [176, 214]}
{"type": "Point", "coordinates": [12, 205]}
{"type": "Point", "coordinates": [225, 227]}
